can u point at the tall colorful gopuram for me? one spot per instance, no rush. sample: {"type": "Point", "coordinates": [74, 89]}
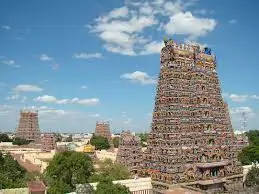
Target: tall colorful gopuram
{"type": "Point", "coordinates": [191, 142]}
{"type": "Point", "coordinates": [28, 127]}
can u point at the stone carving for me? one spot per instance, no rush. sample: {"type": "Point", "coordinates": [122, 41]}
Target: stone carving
{"type": "Point", "coordinates": [28, 127]}
{"type": "Point", "coordinates": [129, 151]}
{"type": "Point", "coordinates": [191, 123]}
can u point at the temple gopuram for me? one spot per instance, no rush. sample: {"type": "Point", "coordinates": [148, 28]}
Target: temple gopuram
{"type": "Point", "coordinates": [191, 143]}
{"type": "Point", "coordinates": [129, 151]}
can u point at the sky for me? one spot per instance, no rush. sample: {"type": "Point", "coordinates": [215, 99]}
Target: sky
{"type": "Point", "coordinates": [78, 62]}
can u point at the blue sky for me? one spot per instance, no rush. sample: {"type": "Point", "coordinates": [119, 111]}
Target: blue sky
{"type": "Point", "coordinates": [82, 61]}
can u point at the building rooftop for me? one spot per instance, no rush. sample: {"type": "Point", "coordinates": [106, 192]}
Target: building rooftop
{"type": "Point", "coordinates": [36, 186]}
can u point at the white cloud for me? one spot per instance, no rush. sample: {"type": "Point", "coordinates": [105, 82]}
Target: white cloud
{"type": "Point", "coordinates": [152, 47]}
{"type": "Point", "coordinates": [255, 97]}
{"type": "Point", "coordinates": [27, 88]}
{"type": "Point", "coordinates": [6, 27]}
{"type": "Point", "coordinates": [237, 112]}
{"type": "Point", "coordinates": [84, 87]}
{"type": "Point", "coordinates": [94, 115]}
{"type": "Point", "coordinates": [87, 55]}
{"type": "Point", "coordinates": [187, 24]}
{"type": "Point", "coordinates": [47, 111]}
{"type": "Point", "coordinates": [10, 63]}
{"type": "Point", "coordinates": [13, 97]}
{"type": "Point", "coordinates": [44, 57]}
{"type": "Point", "coordinates": [121, 12]}
{"type": "Point", "coordinates": [232, 21]}
{"type": "Point", "coordinates": [146, 10]}
{"type": "Point", "coordinates": [126, 33]}
{"type": "Point", "coordinates": [238, 98]}
{"type": "Point", "coordinates": [201, 11]}
{"type": "Point", "coordinates": [139, 77]}
{"type": "Point", "coordinates": [128, 121]}
{"type": "Point", "coordinates": [90, 101]}
{"type": "Point", "coordinates": [55, 66]}
{"type": "Point", "coordinates": [53, 99]}
{"type": "Point", "coordinates": [46, 99]}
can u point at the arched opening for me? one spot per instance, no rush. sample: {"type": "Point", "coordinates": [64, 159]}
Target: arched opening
{"type": "Point", "coordinates": [209, 127]}
{"type": "Point", "coordinates": [203, 158]}
{"type": "Point", "coordinates": [211, 142]}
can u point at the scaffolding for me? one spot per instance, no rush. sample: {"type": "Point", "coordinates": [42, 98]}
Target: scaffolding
{"type": "Point", "coordinates": [191, 139]}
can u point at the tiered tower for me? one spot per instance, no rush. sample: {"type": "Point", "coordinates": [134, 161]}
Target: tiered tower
{"type": "Point", "coordinates": [28, 127]}
{"type": "Point", "coordinates": [129, 151]}
{"type": "Point", "coordinates": [191, 141]}
{"type": "Point", "coordinates": [48, 142]}
{"type": "Point", "coordinates": [103, 129]}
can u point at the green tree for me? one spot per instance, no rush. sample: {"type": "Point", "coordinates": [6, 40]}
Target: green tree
{"type": "Point", "coordinates": [143, 137]}
{"type": "Point", "coordinates": [100, 142]}
{"type": "Point", "coordinates": [253, 137]}
{"type": "Point", "coordinates": [108, 169]}
{"type": "Point", "coordinates": [106, 186]}
{"type": "Point", "coordinates": [116, 141]}
{"type": "Point", "coordinates": [69, 138]}
{"type": "Point", "coordinates": [12, 175]}
{"type": "Point", "coordinates": [4, 138]}
{"type": "Point", "coordinates": [66, 170]}
{"type": "Point", "coordinates": [252, 178]}
{"type": "Point", "coordinates": [58, 137]}
{"type": "Point", "coordinates": [249, 154]}
{"type": "Point", "coordinates": [20, 141]}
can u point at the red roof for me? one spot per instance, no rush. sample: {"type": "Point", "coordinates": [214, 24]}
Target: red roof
{"type": "Point", "coordinates": [36, 186]}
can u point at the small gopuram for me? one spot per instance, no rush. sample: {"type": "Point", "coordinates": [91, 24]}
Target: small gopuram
{"type": "Point", "coordinates": [28, 127]}
{"type": "Point", "coordinates": [103, 129]}
{"type": "Point", "coordinates": [129, 151]}
{"type": "Point", "coordinates": [48, 142]}
{"type": "Point", "coordinates": [191, 142]}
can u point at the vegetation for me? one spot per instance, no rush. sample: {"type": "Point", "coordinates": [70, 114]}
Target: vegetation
{"type": "Point", "coordinates": [4, 138]}
{"type": "Point", "coordinates": [100, 142]}
{"type": "Point", "coordinates": [115, 142]}
{"type": "Point", "coordinates": [250, 153]}
{"type": "Point", "coordinates": [143, 138]}
{"type": "Point", "coordinates": [252, 178]}
{"type": "Point", "coordinates": [253, 137]}
{"type": "Point", "coordinates": [66, 170]}
{"type": "Point", "coordinates": [69, 138]}
{"type": "Point", "coordinates": [20, 141]}
{"type": "Point", "coordinates": [106, 186]}
{"type": "Point", "coordinates": [111, 171]}
{"type": "Point", "coordinates": [12, 175]}
{"type": "Point", "coordinates": [58, 137]}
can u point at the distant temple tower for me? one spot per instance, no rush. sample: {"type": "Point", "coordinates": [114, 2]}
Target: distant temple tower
{"type": "Point", "coordinates": [129, 151]}
{"type": "Point", "coordinates": [103, 129]}
{"type": "Point", "coordinates": [28, 127]}
{"type": "Point", "coordinates": [191, 141]}
{"type": "Point", "coordinates": [48, 141]}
